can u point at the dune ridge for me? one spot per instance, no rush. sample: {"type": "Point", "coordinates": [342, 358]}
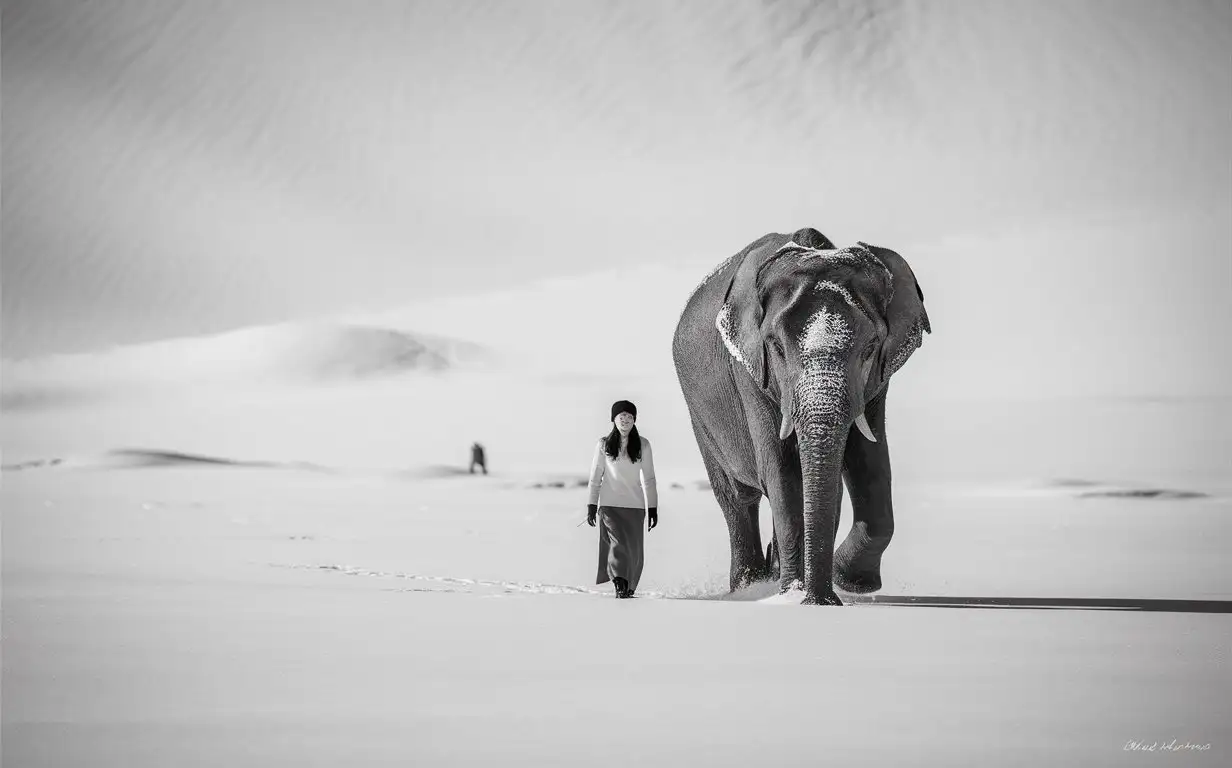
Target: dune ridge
{"type": "Point", "coordinates": [305, 353]}
{"type": "Point", "coordinates": [139, 458]}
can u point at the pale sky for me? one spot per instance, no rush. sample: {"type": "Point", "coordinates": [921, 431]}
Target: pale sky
{"type": "Point", "coordinates": [178, 168]}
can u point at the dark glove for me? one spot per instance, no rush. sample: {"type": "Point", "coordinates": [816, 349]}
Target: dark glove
{"type": "Point", "coordinates": [592, 513]}
{"type": "Point", "coordinates": [654, 518]}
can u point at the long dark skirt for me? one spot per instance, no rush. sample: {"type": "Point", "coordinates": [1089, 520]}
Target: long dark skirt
{"type": "Point", "coordinates": [622, 537]}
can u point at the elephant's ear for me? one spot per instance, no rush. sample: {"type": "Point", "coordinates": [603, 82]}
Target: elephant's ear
{"type": "Point", "coordinates": [740, 318]}
{"type": "Point", "coordinates": [906, 319]}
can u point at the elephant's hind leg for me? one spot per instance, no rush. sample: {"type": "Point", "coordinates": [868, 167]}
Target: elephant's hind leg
{"type": "Point", "coordinates": [866, 468]}
{"type": "Point", "coordinates": [742, 523]}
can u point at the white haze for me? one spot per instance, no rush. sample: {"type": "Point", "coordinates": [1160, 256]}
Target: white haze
{"type": "Point", "coordinates": [171, 171]}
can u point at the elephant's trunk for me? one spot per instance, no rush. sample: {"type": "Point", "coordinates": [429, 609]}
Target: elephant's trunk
{"type": "Point", "coordinates": [821, 460]}
{"type": "Point", "coordinates": [829, 400]}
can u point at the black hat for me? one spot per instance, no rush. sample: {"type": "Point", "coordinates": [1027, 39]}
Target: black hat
{"type": "Point", "coordinates": [623, 406]}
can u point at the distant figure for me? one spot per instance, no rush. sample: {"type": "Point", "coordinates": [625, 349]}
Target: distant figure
{"type": "Point", "coordinates": [623, 472]}
{"type": "Point", "coordinates": [477, 457]}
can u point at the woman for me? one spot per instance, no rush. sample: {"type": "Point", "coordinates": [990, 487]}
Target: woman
{"type": "Point", "coordinates": [623, 469]}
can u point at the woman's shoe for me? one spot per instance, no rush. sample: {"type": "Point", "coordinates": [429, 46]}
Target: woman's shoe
{"type": "Point", "coordinates": [622, 586]}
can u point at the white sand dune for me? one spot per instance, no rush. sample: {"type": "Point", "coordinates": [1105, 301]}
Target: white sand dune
{"type": "Point", "coordinates": [276, 570]}
{"type": "Point", "coordinates": [205, 616]}
{"type": "Point", "coordinates": [143, 458]}
{"type": "Point", "coordinates": [172, 172]}
{"type": "Point", "coordinates": [287, 354]}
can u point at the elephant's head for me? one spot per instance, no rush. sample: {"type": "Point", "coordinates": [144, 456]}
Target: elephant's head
{"type": "Point", "coordinates": [820, 330]}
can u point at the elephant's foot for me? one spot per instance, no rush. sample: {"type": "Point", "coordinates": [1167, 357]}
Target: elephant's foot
{"type": "Point", "coordinates": [825, 596]}
{"type": "Point", "coordinates": [857, 567]}
{"type": "Point", "coordinates": [772, 560]}
{"type": "Point", "coordinates": [747, 575]}
{"type": "Point", "coordinates": [858, 583]}
{"type": "Point", "coordinates": [821, 598]}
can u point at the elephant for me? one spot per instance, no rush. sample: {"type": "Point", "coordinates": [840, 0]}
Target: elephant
{"type": "Point", "coordinates": [784, 355]}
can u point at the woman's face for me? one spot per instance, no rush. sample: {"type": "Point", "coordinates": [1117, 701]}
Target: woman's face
{"type": "Point", "coordinates": [624, 422]}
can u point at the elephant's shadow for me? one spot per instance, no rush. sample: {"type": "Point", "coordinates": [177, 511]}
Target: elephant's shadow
{"type": "Point", "coordinates": [764, 590]}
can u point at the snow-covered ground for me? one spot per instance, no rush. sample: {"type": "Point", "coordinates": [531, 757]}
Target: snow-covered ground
{"type": "Point", "coordinates": [163, 610]}
{"type": "Point", "coordinates": [262, 548]}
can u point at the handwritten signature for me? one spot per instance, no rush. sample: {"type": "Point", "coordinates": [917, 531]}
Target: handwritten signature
{"type": "Point", "coordinates": [1164, 746]}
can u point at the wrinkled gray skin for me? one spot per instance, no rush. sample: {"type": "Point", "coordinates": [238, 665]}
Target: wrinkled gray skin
{"type": "Point", "coordinates": [779, 353]}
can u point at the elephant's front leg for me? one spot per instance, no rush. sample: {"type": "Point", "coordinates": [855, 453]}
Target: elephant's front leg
{"type": "Point", "coordinates": [785, 490]}
{"type": "Point", "coordinates": [857, 563]}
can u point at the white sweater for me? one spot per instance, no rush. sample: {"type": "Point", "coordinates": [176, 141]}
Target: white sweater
{"type": "Point", "coordinates": [623, 483]}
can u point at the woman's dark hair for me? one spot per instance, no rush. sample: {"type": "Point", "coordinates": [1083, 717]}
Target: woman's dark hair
{"type": "Point", "coordinates": [612, 448]}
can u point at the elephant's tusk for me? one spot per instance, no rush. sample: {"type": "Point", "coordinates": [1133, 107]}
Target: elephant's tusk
{"type": "Point", "coordinates": [787, 404]}
{"type": "Point", "coordinates": [865, 429]}
{"type": "Point", "coordinates": [787, 428]}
